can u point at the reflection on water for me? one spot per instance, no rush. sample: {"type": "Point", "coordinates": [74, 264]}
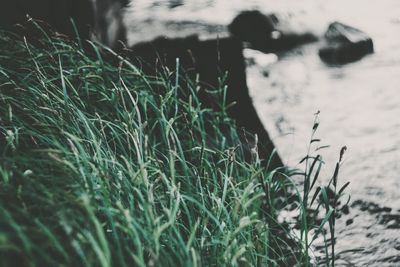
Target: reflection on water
{"type": "Point", "coordinates": [359, 103]}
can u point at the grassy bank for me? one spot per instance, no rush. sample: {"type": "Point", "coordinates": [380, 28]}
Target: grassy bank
{"type": "Point", "coordinates": [105, 166]}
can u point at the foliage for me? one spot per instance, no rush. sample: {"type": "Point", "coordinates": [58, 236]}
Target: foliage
{"type": "Point", "coordinates": [105, 166]}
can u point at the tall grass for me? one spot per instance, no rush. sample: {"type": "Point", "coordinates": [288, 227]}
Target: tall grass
{"type": "Point", "coordinates": [105, 166]}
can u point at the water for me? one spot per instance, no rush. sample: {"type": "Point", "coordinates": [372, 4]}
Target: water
{"type": "Point", "coordinates": [359, 103]}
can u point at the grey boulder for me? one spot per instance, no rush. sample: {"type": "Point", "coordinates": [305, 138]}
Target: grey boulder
{"type": "Point", "coordinates": [345, 44]}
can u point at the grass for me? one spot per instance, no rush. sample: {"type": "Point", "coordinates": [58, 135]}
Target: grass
{"type": "Point", "coordinates": [105, 166]}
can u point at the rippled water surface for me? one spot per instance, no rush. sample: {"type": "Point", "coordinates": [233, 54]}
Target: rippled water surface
{"type": "Point", "coordinates": [359, 102]}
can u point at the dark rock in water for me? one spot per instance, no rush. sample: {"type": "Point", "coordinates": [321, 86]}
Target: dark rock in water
{"type": "Point", "coordinates": [345, 44]}
{"type": "Point", "coordinates": [253, 26]}
{"type": "Point", "coordinates": [263, 33]}
{"type": "Point", "coordinates": [212, 59]}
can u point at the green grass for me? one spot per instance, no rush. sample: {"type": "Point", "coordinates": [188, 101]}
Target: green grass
{"type": "Point", "coordinates": [105, 166]}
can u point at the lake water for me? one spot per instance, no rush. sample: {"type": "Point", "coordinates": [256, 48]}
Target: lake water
{"type": "Point", "coordinates": [359, 102]}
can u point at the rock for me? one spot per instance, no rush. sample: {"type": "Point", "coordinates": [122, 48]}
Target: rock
{"type": "Point", "coordinates": [253, 27]}
{"type": "Point", "coordinates": [211, 59]}
{"type": "Point", "coordinates": [262, 32]}
{"type": "Point", "coordinates": [345, 44]}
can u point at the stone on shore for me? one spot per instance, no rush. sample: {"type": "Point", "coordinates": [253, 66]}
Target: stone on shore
{"type": "Point", "coordinates": [345, 44]}
{"type": "Point", "coordinates": [253, 27]}
{"type": "Point", "coordinates": [263, 32]}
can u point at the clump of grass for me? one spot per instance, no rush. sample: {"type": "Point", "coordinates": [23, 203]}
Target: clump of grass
{"type": "Point", "coordinates": [319, 206]}
{"type": "Point", "coordinates": [105, 166]}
